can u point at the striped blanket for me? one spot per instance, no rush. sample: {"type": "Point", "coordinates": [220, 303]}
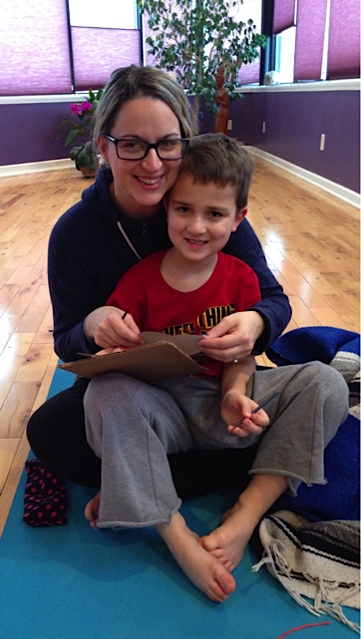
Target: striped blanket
{"type": "Point", "coordinates": [311, 543]}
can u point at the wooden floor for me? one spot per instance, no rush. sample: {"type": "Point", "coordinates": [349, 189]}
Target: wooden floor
{"type": "Point", "coordinates": [310, 238]}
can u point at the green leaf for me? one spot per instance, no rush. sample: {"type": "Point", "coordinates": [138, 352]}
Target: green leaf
{"type": "Point", "coordinates": [71, 136]}
{"type": "Point", "coordinates": [83, 156]}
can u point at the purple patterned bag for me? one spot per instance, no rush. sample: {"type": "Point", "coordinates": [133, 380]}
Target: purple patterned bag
{"type": "Point", "coordinates": [45, 498]}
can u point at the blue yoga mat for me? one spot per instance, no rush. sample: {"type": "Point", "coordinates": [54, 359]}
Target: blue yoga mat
{"type": "Point", "coordinates": [72, 582]}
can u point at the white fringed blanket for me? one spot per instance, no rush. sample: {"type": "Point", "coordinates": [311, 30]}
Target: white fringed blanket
{"type": "Point", "coordinates": [311, 543]}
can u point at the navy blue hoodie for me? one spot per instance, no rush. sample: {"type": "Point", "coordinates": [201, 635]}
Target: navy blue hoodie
{"type": "Point", "coordinates": [88, 254]}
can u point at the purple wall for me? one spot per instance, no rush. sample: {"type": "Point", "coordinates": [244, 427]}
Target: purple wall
{"type": "Point", "coordinates": [294, 123]}
{"type": "Point", "coordinates": [28, 132]}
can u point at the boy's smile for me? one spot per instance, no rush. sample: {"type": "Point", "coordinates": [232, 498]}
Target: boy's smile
{"type": "Point", "coordinates": [201, 217]}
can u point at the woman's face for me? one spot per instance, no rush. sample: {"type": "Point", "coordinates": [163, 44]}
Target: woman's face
{"type": "Point", "coordinates": [139, 185]}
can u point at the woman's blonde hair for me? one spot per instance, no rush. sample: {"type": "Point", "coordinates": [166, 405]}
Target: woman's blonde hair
{"type": "Point", "coordinates": [129, 83]}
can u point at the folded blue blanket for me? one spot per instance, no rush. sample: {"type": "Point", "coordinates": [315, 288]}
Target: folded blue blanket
{"type": "Point", "coordinates": [340, 497]}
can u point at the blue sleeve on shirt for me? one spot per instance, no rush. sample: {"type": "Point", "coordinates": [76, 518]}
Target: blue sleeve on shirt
{"type": "Point", "coordinates": [274, 306]}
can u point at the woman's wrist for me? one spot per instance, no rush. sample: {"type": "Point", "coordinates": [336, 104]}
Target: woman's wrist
{"type": "Point", "coordinates": [256, 324]}
{"type": "Point", "coordinates": [88, 337]}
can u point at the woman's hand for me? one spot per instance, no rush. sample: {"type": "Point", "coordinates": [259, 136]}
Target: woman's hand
{"type": "Point", "coordinates": [108, 329]}
{"type": "Point", "coordinates": [238, 408]}
{"type": "Point", "coordinates": [234, 337]}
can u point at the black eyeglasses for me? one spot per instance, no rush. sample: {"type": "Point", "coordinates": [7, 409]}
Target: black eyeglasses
{"type": "Point", "coordinates": [133, 149]}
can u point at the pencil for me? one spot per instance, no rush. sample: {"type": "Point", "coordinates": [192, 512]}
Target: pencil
{"type": "Point", "coordinates": [266, 401]}
{"type": "Point", "coordinates": [125, 314]}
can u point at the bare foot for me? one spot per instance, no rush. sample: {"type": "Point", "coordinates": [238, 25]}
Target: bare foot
{"type": "Point", "coordinates": [91, 511]}
{"type": "Point", "coordinates": [228, 542]}
{"type": "Point", "coordinates": [203, 569]}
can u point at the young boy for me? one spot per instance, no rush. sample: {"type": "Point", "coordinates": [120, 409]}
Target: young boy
{"type": "Point", "coordinates": [190, 288]}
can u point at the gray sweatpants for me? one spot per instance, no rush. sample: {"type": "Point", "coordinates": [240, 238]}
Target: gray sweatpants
{"type": "Point", "coordinates": [132, 426]}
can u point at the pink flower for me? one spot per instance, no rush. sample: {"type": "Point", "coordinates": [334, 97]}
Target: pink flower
{"type": "Point", "coordinates": [86, 106]}
{"type": "Point", "coordinates": [76, 109]}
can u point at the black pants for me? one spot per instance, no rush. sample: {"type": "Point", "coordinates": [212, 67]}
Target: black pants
{"type": "Point", "coordinates": [56, 433]}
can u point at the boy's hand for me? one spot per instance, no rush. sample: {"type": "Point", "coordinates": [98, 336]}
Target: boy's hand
{"type": "Point", "coordinates": [109, 351]}
{"type": "Point", "coordinates": [237, 408]}
{"type": "Point", "coordinates": [108, 328]}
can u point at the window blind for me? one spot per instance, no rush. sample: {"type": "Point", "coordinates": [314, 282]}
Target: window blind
{"type": "Point", "coordinates": [34, 47]}
{"type": "Point", "coordinates": [251, 10]}
{"type": "Point", "coordinates": [35, 57]}
{"type": "Point", "coordinates": [344, 40]}
{"type": "Point", "coordinates": [283, 15]}
{"type": "Point", "coordinates": [97, 52]}
{"type": "Point", "coordinates": [310, 34]}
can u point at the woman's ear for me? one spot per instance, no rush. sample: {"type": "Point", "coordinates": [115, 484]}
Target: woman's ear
{"type": "Point", "coordinates": [240, 215]}
{"type": "Point", "coordinates": [103, 146]}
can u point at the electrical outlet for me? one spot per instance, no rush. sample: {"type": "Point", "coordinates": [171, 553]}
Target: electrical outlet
{"type": "Point", "coordinates": [322, 142]}
{"type": "Point", "coordinates": [263, 127]}
{"type": "Point", "coordinates": [229, 125]}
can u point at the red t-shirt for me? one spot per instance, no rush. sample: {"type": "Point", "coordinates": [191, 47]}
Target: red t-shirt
{"type": "Point", "coordinates": [156, 306]}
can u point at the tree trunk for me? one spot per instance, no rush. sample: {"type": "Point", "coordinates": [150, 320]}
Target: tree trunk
{"type": "Point", "coordinates": [195, 113]}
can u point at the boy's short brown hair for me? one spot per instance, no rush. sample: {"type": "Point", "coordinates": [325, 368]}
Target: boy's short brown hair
{"type": "Point", "coordinates": [215, 157]}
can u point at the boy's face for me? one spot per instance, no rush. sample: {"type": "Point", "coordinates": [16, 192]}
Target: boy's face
{"type": "Point", "coordinates": [201, 217]}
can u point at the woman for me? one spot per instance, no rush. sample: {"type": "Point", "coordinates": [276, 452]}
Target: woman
{"type": "Point", "coordinates": [120, 220]}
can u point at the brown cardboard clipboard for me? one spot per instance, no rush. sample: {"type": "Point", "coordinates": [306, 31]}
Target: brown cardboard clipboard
{"type": "Point", "coordinates": [148, 363]}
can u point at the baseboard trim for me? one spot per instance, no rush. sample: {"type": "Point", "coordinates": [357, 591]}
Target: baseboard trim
{"type": "Point", "coordinates": [35, 167]}
{"type": "Point", "coordinates": [341, 192]}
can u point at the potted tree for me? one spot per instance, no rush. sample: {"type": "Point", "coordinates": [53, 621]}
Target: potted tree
{"type": "Point", "coordinates": [193, 38]}
{"type": "Point", "coordinates": [80, 125]}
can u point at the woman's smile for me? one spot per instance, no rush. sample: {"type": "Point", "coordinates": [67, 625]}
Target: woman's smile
{"type": "Point", "coordinates": [149, 182]}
